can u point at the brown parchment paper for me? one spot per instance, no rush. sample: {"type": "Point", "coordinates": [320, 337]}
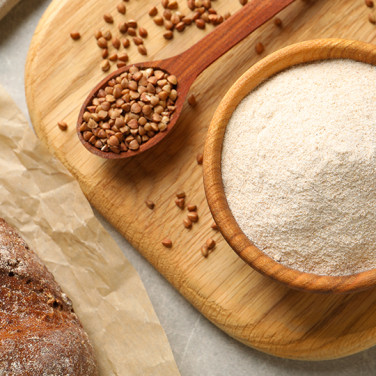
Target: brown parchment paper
{"type": "Point", "coordinates": [41, 199]}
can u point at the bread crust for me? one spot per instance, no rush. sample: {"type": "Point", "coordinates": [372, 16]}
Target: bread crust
{"type": "Point", "coordinates": [40, 335]}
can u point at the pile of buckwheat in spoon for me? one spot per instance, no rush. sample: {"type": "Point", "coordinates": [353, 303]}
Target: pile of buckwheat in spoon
{"type": "Point", "coordinates": [130, 110]}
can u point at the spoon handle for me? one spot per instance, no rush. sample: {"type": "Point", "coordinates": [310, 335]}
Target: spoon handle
{"type": "Point", "coordinates": [225, 36]}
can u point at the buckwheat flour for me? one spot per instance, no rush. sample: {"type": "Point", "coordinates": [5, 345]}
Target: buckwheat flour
{"type": "Point", "coordinates": [299, 167]}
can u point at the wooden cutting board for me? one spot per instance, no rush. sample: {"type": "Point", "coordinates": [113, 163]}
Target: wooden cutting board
{"type": "Point", "coordinates": [251, 308]}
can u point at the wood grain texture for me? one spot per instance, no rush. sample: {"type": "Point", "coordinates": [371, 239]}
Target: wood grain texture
{"type": "Point", "coordinates": [248, 306]}
{"type": "Point", "coordinates": [287, 57]}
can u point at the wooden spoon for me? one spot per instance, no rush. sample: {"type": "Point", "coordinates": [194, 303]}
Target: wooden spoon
{"type": "Point", "coordinates": [189, 64]}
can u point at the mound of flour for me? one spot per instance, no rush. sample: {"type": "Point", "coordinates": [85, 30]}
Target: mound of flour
{"type": "Point", "coordinates": [299, 167]}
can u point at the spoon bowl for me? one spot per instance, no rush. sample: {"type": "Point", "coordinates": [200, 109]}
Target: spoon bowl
{"type": "Point", "coordinates": [154, 140]}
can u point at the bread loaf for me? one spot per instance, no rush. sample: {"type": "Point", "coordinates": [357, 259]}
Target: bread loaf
{"type": "Point", "coordinates": [40, 334]}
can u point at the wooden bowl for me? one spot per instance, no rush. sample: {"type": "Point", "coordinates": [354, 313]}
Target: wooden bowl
{"type": "Point", "coordinates": [304, 52]}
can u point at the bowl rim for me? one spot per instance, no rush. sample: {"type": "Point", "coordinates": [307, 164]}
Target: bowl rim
{"type": "Point", "coordinates": [299, 53]}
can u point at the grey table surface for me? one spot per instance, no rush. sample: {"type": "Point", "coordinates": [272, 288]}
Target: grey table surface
{"type": "Point", "coordinates": [200, 349]}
